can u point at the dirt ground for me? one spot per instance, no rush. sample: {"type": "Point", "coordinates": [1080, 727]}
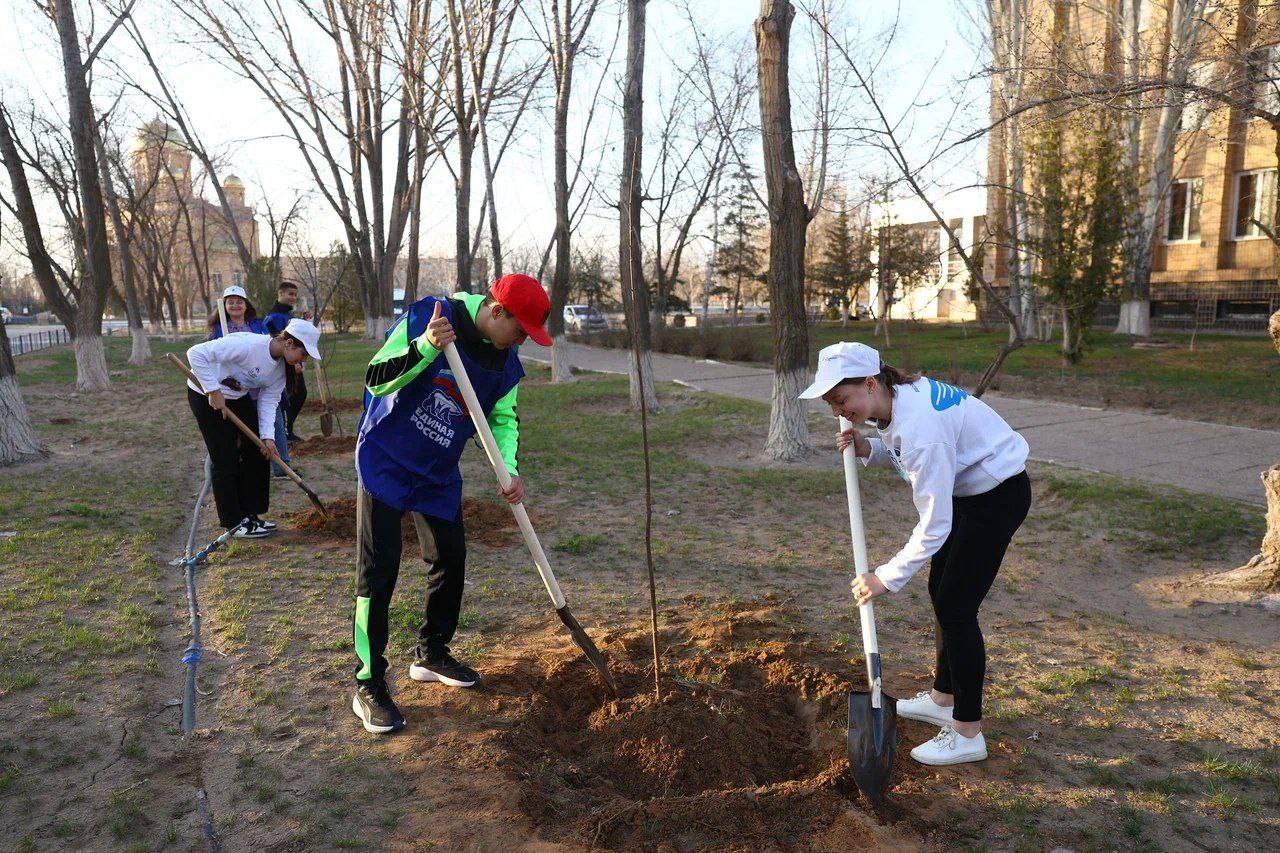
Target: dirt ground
{"type": "Point", "coordinates": [1129, 705]}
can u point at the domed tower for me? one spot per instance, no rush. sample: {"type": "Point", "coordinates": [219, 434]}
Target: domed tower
{"type": "Point", "coordinates": [234, 188]}
{"type": "Point", "coordinates": [160, 147]}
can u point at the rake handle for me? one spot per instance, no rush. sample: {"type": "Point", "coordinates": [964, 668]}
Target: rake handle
{"type": "Point", "coordinates": [253, 436]}
{"type": "Point", "coordinates": [504, 476]}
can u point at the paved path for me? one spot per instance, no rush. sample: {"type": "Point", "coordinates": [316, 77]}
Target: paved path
{"type": "Point", "coordinates": [1210, 458]}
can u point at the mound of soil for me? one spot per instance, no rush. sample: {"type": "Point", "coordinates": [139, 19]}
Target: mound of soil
{"type": "Point", "coordinates": [746, 742]}
{"type": "Point", "coordinates": [319, 444]}
{"type": "Point", "coordinates": [487, 522]}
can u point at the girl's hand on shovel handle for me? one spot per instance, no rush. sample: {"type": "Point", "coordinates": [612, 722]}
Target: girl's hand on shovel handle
{"type": "Point", "coordinates": [866, 587]}
{"type": "Point", "coordinates": [269, 449]}
{"type": "Point", "coordinates": [514, 493]}
{"type": "Point", "coordinates": [861, 447]}
{"type": "Point", "coordinates": [218, 403]}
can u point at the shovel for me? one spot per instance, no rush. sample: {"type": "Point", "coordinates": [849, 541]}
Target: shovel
{"type": "Point", "coordinates": [231, 416]}
{"type": "Point", "coordinates": [326, 419]}
{"type": "Point", "coordinates": [522, 518]}
{"type": "Point", "coordinates": [872, 715]}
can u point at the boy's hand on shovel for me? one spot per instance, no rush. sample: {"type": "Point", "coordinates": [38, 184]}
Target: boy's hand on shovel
{"type": "Point", "coordinates": [439, 331]}
{"type": "Point", "coordinates": [513, 493]}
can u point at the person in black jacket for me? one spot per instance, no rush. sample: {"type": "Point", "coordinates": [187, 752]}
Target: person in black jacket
{"type": "Point", "coordinates": [280, 315]}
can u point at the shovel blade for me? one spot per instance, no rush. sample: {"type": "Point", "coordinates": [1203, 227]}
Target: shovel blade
{"type": "Point", "coordinates": [872, 740]}
{"type": "Point", "coordinates": [588, 648]}
{"type": "Point", "coordinates": [326, 424]}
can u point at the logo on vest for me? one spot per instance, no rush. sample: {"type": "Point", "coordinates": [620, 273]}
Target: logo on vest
{"type": "Point", "coordinates": [435, 415]}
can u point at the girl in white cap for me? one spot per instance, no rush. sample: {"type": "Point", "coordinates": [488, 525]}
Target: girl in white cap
{"type": "Point", "coordinates": [244, 372]}
{"type": "Point", "coordinates": [967, 470]}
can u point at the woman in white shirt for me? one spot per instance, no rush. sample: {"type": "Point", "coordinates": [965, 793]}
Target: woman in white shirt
{"type": "Point", "coordinates": [245, 373]}
{"type": "Point", "coordinates": [967, 470]}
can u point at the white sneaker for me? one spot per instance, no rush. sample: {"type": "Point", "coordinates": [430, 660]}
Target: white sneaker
{"type": "Point", "coordinates": [252, 530]}
{"type": "Point", "coordinates": [924, 709]}
{"type": "Point", "coordinates": [951, 747]}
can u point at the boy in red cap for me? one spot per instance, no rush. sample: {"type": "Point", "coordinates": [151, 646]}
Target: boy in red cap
{"type": "Point", "coordinates": [413, 430]}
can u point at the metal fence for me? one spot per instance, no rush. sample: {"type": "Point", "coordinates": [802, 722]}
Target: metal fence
{"type": "Point", "coordinates": [32, 341]}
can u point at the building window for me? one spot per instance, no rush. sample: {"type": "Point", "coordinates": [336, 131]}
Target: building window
{"type": "Point", "coordinates": [217, 279]}
{"type": "Point", "coordinates": [235, 278]}
{"type": "Point", "coordinates": [1184, 210]}
{"type": "Point", "coordinates": [1255, 202]}
{"type": "Point", "coordinates": [1262, 65]}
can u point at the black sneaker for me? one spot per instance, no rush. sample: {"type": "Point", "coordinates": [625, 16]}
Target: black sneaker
{"type": "Point", "coordinates": [291, 438]}
{"type": "Point", "coordinates": [280, 475]}
{"type": "Point", "coordinates": [372, 704]}
{"type": "Point", "coordinates": [252, 530]}
{"type": "Point", "coordinates": [264, 524]}
{"type": "Point", "coordinates": [445, 669]}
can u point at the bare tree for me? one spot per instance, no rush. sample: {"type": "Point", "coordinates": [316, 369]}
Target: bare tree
{"type": "Point", "coordinates": [356, 135]}
{"type": "Point", "coordinates": [141, 345]}
{"type": "Point", "coordinates": [565, 29]}
{"type": "Point", "coordinates": [789, 216]}
{"type": "Point", "coordinates": [635, 293]}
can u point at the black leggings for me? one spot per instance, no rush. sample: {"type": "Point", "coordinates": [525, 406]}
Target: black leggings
{"type": "Point", "coordinates": [959, 577]}
{"type": "Point", "coordinates": [241, 474]}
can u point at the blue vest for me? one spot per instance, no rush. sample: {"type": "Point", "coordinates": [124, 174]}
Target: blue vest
{"type": "Point", "coordinates": [410, 441]}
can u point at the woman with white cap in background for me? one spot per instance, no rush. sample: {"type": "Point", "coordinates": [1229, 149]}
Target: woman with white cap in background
{"type": "Point", "coordinates": [967, 470]}
{"type": "Point", "coordinates": [232, 371]}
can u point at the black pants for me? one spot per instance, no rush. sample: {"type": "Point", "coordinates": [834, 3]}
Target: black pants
{"type": "Point", "coordinates": [378, 540]}
{"type": "Point", "coordinates": [296, 400]}
{"type": "Point", "coordinates": [960, 576]}
{"type": "Point", "coordinates": [241, 474]}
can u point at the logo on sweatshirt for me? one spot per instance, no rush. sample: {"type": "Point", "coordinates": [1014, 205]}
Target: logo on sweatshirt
{"type": "Point", "coordinates": [944, 396]}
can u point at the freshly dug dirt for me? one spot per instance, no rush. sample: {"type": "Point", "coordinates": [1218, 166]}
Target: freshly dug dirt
{"type": "Point", "coordinates": [319, 444]}
{"type": "Point", "coordinates": [746, 743]}
{"type": "Point", "coordinates": [487, 522]}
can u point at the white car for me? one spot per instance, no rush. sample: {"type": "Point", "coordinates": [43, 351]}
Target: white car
{"type": "Point", "coordinates": [584, 318]}
{"type": "Point", "coordinates": [5, 314]}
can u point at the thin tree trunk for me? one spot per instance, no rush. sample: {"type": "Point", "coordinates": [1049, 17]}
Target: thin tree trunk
{"type": "Point", "coordinates": [788, 438]}
{"type": "Point", "coordinates": [141, 350]}
{"type": "Point", "coordinates": [635, 291]}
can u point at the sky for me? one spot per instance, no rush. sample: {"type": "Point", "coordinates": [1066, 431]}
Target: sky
{"type": "Point", "coordinates": [925, 76]}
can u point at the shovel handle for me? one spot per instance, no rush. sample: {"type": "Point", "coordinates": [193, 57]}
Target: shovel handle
{"type": "Point", "coordinates": [253, 436]}
{"type": "Point", "coordinates": [500, 469]}
{"type": "Point", "coordinates": [858, 534]}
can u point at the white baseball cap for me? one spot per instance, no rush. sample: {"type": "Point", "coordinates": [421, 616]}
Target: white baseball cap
{"type": "Point", "coordinates": [235, 290]}
{"type": "Point", "coordinates": [841, 361]}
{"type": "Point", "coordinates": [305, 332]}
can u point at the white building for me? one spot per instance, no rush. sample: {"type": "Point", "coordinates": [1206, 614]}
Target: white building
{"type": "Point", "coordinates": [943, 297]}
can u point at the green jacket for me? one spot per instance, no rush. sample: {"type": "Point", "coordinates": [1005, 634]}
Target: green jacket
{"type": "Point", "coordinates": [401, 360]}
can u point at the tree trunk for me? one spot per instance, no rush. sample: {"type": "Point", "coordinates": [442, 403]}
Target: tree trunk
{"type": "Point", "coordinates": [141, 350]}
{"type": "Point", "coordinates": [18, 441]}
{"type": "Point", "coordinates": [91, 363]}
{"type": "Point", "coordinates": [1262, 573]}
{"type": "Point", "coordinates": [561, 370]}
{"type": "Point", "coordinates": [630, 264]}
{"type": "Point", "coordinates": [788, 438]}
{"type": "Point", "coordinates": [91, 368]}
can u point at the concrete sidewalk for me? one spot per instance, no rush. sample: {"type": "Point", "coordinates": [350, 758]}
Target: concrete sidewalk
{"type": "Point", "coordinates": [1213, 459]}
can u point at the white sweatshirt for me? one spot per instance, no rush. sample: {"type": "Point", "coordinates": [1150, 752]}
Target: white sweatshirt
{"type": "Point", "coordinates": [244, 357]}
{"type": "Point", "coordinates": [945, 444]}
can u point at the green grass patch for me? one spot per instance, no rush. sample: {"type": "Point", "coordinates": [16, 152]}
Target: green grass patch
{"type": "Point", "coordinates": [1102, 502]}
{"type": "Point", "coordinates": [580, 543]}
{"type": "Point", "coordinates": [1069, 682]}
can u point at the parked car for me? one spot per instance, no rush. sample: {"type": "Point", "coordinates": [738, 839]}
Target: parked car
{"type": "Point", "coordinates": [5, 314]}
{"type": "Point", "coordinates": [584, 318]}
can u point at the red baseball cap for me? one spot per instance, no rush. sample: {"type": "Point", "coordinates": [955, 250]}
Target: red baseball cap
{"type": "Point", "coordinates": [528, 303]}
